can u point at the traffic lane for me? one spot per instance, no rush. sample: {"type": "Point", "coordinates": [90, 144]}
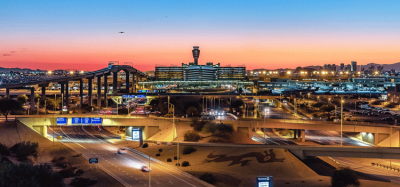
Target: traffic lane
{"type": "Point", "coordinates": [128, 168]}
{"type": "Point", "coordinates": [331, 138]}
{"type": "Point", "coordinates": [166, 176]}
{"type": "Point", "coordinates": [363, 166]}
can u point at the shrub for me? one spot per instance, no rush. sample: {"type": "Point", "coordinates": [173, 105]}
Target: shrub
{"type": "Point", "coordinates": [185, 163]}
{"type": "Point", "coordinates": [175, 158]}
{"type": "Point", "coordinates": [82, 182]}
{"type": "Point", "coordinates": [67, 172]}
{"type": "Point", "coordinates": [5, 159]}
{"type": "Point", "coordinates": [145, 145]}
{"type": "Point", "coordinates": [344, 177]}
{"type": "Point", "coordinates": [208, 178]}
{"type": "Point", "coordinates": [160, 150]}
{"type": "Point", "coordinates": [79, 172]}
{"type": "Point", "coordinates": [158, 154]}
{"type": "Point", "coordinates": [192, 136]}
{"type": "Point", "coordinates": [210, 127]}
{"type": "Point", "coordinates": [169, 160]}
{"type": "Point", "coordinates": [192, 111]}
{"type": "Point", "coordinates": [60, 161]}
{"type": "Point", "coordinates": [188, 150]}
{"type": "Point", "coordinates": [29, 175]}
{"type": "Point", "coordinates": [4, 150]}
{"type": "Point", "coordinates": [24, 149]}
{"type": "Point", "coordinates": [197, 124]}
{"type": "Point", "coordinates": [224, 128]}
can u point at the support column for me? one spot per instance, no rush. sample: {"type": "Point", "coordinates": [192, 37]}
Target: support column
{"type": "Point", "coordinates": [62, 95]}
{"type": "Point", "coordinates": [127, 81]}
{"type": "Point", "coordinates": [43, 93]}
{"type": "Point", "coordinates": [295, 133]}
{"type": "Point", "coordinates": [134, 83]}
{"type": "Point", "coordinates": [115, 83]}
{"type": "Point", "coordinates": [33, 98]}
{"type": "Point", "coordinates": [99, 92]}
{"type": "Point", "coordinates": [90, 87]}
{"type": "Point", "coordinates": [303, 135]}
{"type": "Point", "coordinates": [8, 93]}
{"type": "Point", "coordinates": [81, 91]}
{"type": "Point", "coordinates": [66, 95]}
{"type": "Point", "coordinates": [105, 90]}
{"type": "Point", "coordinates": [376, 138]}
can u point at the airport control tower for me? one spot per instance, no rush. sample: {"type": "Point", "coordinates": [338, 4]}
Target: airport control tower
{"type": "Point", "coordinates": [196, 54]}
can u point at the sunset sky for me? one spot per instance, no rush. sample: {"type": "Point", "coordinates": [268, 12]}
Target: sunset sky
{"type": "Point", "coordinates": [84, 35]}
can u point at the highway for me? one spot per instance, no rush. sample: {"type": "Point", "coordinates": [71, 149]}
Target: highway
{"type": "Point", "coordinates": [270, 138]}
{"type": "Point", "coordinates": [332, 138]}
{"type": "Point", "coordinates": [92, 142]}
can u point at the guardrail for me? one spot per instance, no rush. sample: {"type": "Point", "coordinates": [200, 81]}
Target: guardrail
{"type": "Point", "coordinates": [386, 166]}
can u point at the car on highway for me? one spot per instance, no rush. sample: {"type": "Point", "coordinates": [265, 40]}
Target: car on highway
{"type": "Point", "coordinates": [121, 151]}
{"type": "Point", "coordinates": [145, 169]}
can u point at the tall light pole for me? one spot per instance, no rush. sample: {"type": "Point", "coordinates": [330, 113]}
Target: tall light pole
{"type": "Point", "coordinates": [265, 114]}
{"type": "Point", "coordinates": [173, 134]}
{"type": "Point", "coordinates": [149, 173]}
{"type": "Point", "coordinates": [341, 122]}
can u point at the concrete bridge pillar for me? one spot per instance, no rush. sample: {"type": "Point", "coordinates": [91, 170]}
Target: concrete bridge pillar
{"type": "Point", "coordinates": [376, 138]}
{"type": "Point", "coordinates": [134, 82]}
{"type": "Point", "coordinates": [43, 93]}
{"type": "Point", "coordinates": [105, 90]}
{"type": "Point", "coordinates": [33, 98]}
{"type": "Point", "coordinates": [62, 96]}
{"type": "Point", "coordinates": [115, 83]}
{"type": "Point", "coordinates": [127, 81]}
{"type": "Point", "coordinates": [66, 95]}
{"type": "Point", "coordinates": [99, 91]}
{"type": "Point", "coordinates": [90, 89]}
{"type": "Point", "coordinates": [8, 93]}
{"type": "Point", "coordinates": [81, 91]}
{"type": "Point", "coordinates": [303, 135]}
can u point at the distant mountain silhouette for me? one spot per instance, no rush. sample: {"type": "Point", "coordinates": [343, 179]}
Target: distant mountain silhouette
{"type": "Point", "coordinates": [387, 67]}
{"type": "Point", "coordinates": [17, 69]}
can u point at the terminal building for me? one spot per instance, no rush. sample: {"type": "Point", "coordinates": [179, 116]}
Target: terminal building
{"type": "Point", "coordinates": [194, 75]}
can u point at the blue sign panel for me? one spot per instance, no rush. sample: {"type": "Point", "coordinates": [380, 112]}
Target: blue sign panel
{"type": "Point", "coordinates": [128, 96]}
{"type": "Point", "coordinates": [96, 121]}
{"type": "Point", "coordinates": [265, 181]}
{"type": "Point", "coordinates": [93, 160]}
{"type": "Point", "coordinates": [61, 121]}
{"type": "Point", "coordinates": [86, 121]}
{"type": "Point", "coordinates": [135, 134]}
{"type": "Point", "coordinates": [141, 96]}
{"type": "Point", "coordinates": [76, 121]}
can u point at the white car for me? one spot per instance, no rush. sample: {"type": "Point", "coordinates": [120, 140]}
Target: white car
{"type": "Point", "coordinates": [121, 151]}
{"type": "Point", "coordinates": [145, 169]}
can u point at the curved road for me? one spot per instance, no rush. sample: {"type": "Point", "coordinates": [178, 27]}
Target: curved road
{"type": "Point", "coordinates": [126, 168]}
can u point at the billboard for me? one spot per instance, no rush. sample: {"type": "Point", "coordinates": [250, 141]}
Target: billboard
{"type": "Point", "coordinates": [76, 121]}
{"type": "Point", "coordinates": [61, 121]}
{"type": "Point", "coordinates": [86, 121]}
{"type": "Point", "coordinates": [265, 181]}
{"type": "Point", "coordinates": [97, 121]}
{"type": "Point", "coordinates": [135, 134]}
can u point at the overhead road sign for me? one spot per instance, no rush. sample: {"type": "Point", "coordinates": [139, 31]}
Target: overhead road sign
{"type": "Point", "coordinates": [97, 121]}
{"type": "Point", "coordinates": [86, 121]}
{"type": "Point", "coordinates": [62, 121]}
{"type": "Point", "coordinates": [76, 121]}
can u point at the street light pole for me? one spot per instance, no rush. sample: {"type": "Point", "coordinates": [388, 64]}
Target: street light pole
{"type": "Point", "coordinates": [149, 173]}
{"type": "Point", "coordinates": [341, 122]}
